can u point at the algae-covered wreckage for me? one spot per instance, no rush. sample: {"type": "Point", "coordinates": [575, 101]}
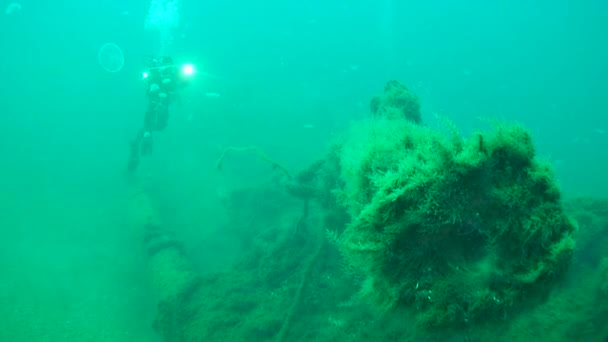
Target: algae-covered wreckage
{"type": "Point", "coordinates": [402, 232]}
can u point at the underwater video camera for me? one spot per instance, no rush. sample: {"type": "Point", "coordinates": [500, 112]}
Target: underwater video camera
{"type": "Point", "coordinates": [164, 76]}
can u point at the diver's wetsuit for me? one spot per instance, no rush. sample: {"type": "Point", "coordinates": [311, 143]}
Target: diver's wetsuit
{"type": "Point", "coordinates": [162, 83]}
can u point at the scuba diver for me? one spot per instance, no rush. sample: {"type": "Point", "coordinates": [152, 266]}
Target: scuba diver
{"type": "Point", "coordinates": [164, 79]}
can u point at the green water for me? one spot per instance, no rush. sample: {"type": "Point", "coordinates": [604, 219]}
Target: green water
{"type": "Point", "coordinates": [285, 76]}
